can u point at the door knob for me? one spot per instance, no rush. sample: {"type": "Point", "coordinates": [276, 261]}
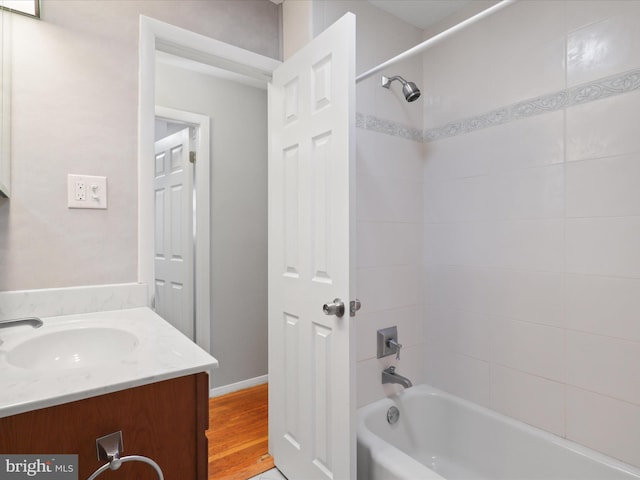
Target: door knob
{"type": "Point", "coordinates": [336, 308]}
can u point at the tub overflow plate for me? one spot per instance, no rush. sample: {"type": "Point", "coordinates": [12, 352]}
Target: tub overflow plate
{"type": "Point", "coordinates": [393, 414]}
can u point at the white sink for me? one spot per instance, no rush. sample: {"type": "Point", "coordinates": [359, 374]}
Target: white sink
{"type": "Point", "coordinates": [73, 348]}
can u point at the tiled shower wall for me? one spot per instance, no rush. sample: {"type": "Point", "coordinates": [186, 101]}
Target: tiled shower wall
{"type": "Point", "coordinates": [389, 198]}
{"type": "Point", "coordinates": [532, 218]}
{"type": "Point", "coordinates": [389, 246]}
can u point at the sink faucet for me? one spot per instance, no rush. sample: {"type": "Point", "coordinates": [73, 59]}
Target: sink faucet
{"type": "Point", "coordinates": [389, 375]}
{"type": "Point", "coordinates": [35, 322]}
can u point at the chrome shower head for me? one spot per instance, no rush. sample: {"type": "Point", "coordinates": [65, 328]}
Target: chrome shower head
{"type": "Point", "coordinates": [409, 89]}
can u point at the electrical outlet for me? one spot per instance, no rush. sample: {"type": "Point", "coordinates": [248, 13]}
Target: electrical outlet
{"type": "Point", "coordinates": [86, 191]}
{"type": "Point", "coordinates": [81, 190]}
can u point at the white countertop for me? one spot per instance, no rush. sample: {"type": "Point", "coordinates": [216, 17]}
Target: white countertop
{"type": "Point", "coordinates": [161, 353]}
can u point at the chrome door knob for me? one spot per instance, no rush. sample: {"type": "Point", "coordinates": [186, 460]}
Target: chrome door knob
{"type": "Point", "coordinates": [336, 308]}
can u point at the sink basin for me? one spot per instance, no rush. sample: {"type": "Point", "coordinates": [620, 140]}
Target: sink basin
{"type": "Point", "coordinates": [73, 348]}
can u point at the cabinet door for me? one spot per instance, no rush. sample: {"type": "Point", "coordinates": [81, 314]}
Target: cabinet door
{"type": "Point", "coordinates": [165, 421]}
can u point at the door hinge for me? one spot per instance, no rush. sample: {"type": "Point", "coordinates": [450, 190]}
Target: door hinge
{"type": "Point", "coordinates": [192, 157]}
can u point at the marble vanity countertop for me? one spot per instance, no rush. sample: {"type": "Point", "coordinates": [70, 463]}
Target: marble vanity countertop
{"type": "Point", "coordinates": [161, 352]}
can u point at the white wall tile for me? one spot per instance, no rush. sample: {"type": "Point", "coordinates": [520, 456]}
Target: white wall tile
{"type": "Point", "coordinates": [603, 48]}
{"type": "Point", "coordinates": [435, 367]}
{"type": "Point", "coordinates": [603, 305]}
{"type": "Point", "coordinates": [535, 349]}
{"type": "Point", "coordinates": [535, 297]}
{"type": "Point", "coordinates": [469, 378]}
{"type": "Point", "coordinates": [468, 332]}
{"type": "Point", "coordinates": [464, 288]}
{"type": "Point", "coordinates": [388, 243]}
{"type": "Point", "coordinates": [604, 128]}
{"type": "Point", "coordinates": [537, 71]}
{"type": "Point", "coordinates": [605, 365]}
{"type": "Point", "coordinates": [452, 246]}
{"type": "Point", "coordinates": [604, 424]}
{"type": "Point", "coordinates": [432, 199]}
{"type": "Point", "coordinates": [459, 157]}
{"type": "Point", "coordinates": [603, 246]}
{"type": "Point", "coordinates": [535, 245]}
{"type": "Point", "coordinates": [528, 193]}
{"type": "Point", "coordinates": [385, 288]}
{"type": "Point", "coordinates": [446, 68]}
{"type": "Point", "coordinates": [528, 398]}
{"type": "Point", "coordinates": [432, 244]}
{"type": "Point", "coordinates": [463, 200]}
{"type": "Point", "coordinates": [437, 332]}
{"type": "Point", "coordinates": [604, 187]}
{"type": "Point", "coordinates": [525, 25]}
{"type": "Point", "coordinates": [530, 142]}
{"type": "Point", "coordinates": [581, 13]}
{"type": "Point", "coordinates": [384, 200]}
{"type": "Point", "coordinates": [388, 156]}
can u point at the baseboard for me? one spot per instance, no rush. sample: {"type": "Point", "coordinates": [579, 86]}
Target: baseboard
{"type": "Point", "coordinates": [234, 387]}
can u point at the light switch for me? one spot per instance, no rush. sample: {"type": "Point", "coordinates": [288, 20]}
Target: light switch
{"type": "Point", "coordinates": [86, 191]}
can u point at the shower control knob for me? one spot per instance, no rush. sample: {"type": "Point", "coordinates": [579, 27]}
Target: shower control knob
{"type": "Point", "coordinates": [336, 308]}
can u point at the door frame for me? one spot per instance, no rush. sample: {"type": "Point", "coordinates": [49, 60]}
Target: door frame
{"type": "Point", "coordinates": [201, 251]}
{"type": "Point", "coordinates": [163, 37]}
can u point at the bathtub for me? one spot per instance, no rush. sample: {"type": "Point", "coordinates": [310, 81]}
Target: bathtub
{"type": "Point", "coordinates": [442, 436]}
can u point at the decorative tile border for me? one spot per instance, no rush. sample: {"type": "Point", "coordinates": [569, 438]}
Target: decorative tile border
{"type": "Point", "coordinates": [588, 92]}
{"type": "Point", "coordinates": [389, 127]}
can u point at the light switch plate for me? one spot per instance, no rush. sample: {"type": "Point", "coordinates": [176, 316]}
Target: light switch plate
{"type": "Point", "coordinates": [86, 191]}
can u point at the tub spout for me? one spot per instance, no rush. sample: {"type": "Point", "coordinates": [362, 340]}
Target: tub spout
{"type": "Point", "coordinates": [390, 376]}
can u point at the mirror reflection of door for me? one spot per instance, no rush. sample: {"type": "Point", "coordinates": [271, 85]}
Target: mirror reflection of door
{"type": "Point", "coordinates": [174, 229]}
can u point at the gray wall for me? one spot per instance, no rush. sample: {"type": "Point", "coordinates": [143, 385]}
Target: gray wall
{"type": "Point", "coordinates": [74, 101]}
{"type": "Point", "coordinates": [238, 214]}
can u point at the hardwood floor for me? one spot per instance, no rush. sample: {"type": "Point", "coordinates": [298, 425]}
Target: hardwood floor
{"type": "Point", "coordinates": [238, 434]}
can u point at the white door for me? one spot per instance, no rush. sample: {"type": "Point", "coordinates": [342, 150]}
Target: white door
{"type": "Point", "coordinates": [311, 219]}
{"type": "Point", "coordinates": [173, 202]}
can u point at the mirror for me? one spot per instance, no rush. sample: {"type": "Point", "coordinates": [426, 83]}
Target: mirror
{"type": "Point", "coordinates": [30, 8]}
{"type": "Point", "coordinates": [74, 111]}
{"type": "Point", "coordinates": [185, 73]}
{"type": "Point", "coordinates": [5, 100]}
{"type": "Point", "coordinates": [24, 7]}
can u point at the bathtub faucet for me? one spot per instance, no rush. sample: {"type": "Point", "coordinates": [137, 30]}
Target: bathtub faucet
{"type": "Point", "coordinates": [390, 376]}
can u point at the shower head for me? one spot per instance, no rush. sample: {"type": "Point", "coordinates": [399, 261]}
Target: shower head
{"type": "Point", "coordinates": [409, 89]}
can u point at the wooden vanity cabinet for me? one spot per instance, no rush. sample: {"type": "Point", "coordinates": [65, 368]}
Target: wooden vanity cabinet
{"type": "Point", "coordinates": [165, 421]}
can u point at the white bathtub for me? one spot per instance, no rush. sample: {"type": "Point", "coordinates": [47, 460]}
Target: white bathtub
{"type": "Point", "coordinates": [442, 436]}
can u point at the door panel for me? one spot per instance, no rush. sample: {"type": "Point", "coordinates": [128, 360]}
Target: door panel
{"type": "Point", "coordinates": [173, 184]}
{"type": "Point", "coordinates": [311, 219]}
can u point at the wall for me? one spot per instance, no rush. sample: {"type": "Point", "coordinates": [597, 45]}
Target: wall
{"type": "Point", "coordinates": [74, 110]}
{"type": "Point", "coordinates": [238, 214]}
{"type": "Point", "coordinates": [532, 218]}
